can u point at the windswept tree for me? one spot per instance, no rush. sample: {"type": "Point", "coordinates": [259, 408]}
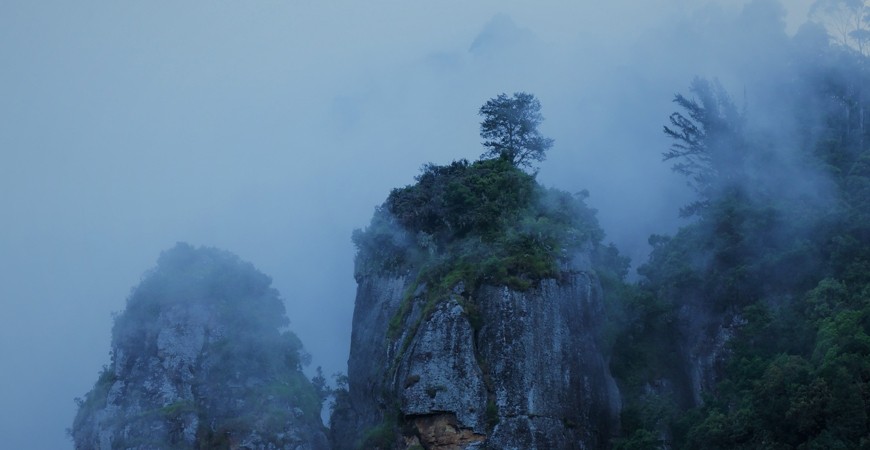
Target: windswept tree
{"type": "Point", "coordinates": [708, 141]}
{"type": "Point", "coordinates": [510, 129]}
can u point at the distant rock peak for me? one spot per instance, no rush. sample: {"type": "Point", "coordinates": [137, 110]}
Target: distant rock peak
{"type": "Point", "coordinates": [199, 360]}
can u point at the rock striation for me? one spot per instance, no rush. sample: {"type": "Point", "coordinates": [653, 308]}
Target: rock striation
{"type": "Point", "coordinates": [488, 367]}
{"type": "Point", "coordinates": [199, 360]}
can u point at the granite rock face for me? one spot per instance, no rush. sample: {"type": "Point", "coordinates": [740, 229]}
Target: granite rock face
{"type": "Point", "coordinates": [491, 368]}
{"type": "Point", "coordinates": [199, 361]}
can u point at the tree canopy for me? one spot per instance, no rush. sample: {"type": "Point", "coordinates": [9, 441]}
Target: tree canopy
{"type": "Point", "coordinates": [786, 276]}
{"type": "Point", "coordinates": [510, 129]}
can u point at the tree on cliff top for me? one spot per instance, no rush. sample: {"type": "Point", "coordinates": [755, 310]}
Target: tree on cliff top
{"type": "Point", "coordinates": [510, 129]}
{"type": "Point", "coordinates": [482, 222]}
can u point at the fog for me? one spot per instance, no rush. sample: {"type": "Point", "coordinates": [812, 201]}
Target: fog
{"type": "Point", "coordinates": [271, 129]}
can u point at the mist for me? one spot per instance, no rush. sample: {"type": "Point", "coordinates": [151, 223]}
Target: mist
{"type": "Point", "coordinates": [272, 129]}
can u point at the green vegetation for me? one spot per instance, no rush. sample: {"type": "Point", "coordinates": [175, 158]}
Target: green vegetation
{"type": "Point", "coordinates": [382, 436]}
{"type": "Point", "coordinates": [486, 222]}
{"type": "Point", "coordinates": [785, 259]}
{"type": "Point", "coordinates": [510, 129]}
{"type": "Point", "coordinates": [379, 437]}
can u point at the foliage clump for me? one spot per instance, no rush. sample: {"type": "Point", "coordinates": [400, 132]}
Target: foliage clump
{"type": "Point", "coordinates": [483, 222]}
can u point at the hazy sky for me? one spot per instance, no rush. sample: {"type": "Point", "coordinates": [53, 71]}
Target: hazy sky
{"type": "Point", "coordinates": [272, 128]}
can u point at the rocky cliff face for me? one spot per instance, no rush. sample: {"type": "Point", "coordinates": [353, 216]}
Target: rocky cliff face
{"type": "Point", "coordinates": [199, 361]}
{"type": "Point", "coordinates": [487, 368]}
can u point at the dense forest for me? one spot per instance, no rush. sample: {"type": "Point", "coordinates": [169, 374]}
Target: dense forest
{"type": "Point", "coordinates": [773, 264]}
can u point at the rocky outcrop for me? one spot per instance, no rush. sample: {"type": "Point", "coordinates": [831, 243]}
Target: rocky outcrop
{"type": "Point", "coordinates": [199, 361]}
{"type": "Point", "coordinates": [487, 368]}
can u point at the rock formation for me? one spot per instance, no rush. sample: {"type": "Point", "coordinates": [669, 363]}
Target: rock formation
{"type": "Point", "coordinates": [478, 318]}
{"type": "Point", "coordinates": [199, 360]}
{"type": "Point", "coordinates": [490, 368]}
